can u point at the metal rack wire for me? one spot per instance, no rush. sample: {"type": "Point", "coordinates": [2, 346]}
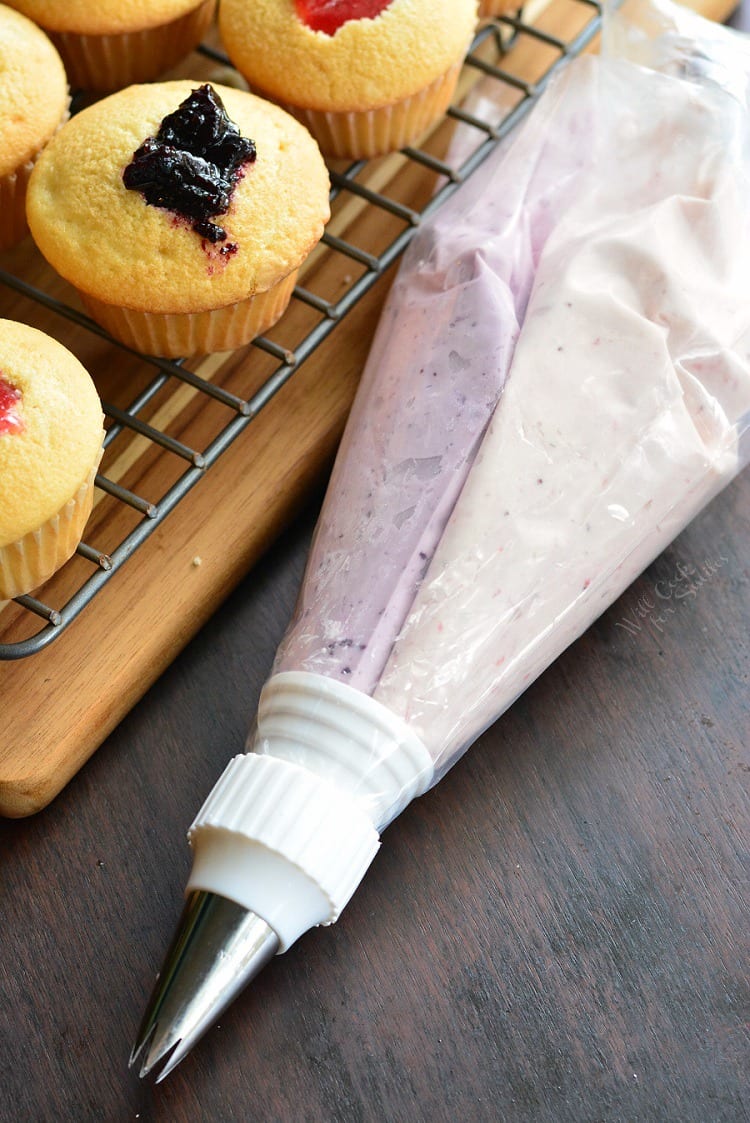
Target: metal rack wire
{"type": "Point", "coordinates": [485, 60]}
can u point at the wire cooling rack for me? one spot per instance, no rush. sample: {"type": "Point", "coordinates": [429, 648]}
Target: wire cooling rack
{"type": "Point", "coordinates": [497, 100]}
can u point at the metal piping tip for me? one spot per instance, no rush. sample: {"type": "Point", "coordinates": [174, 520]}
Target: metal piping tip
{"type": "Point", "coordinates": [218, 947]}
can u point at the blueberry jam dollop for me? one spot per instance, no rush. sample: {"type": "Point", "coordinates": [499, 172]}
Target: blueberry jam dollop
{"type": "Point", "coordinates": [11, 420]}
{"type": "Point", "coordinates": [329, 15]}
{"type": "Point", "coordinates": [192, 165]}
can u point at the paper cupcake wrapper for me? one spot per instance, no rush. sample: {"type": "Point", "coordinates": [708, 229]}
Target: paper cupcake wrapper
{"type": "Point", "coordinates": [13, 225]}
{"type": "Point", "coordinates": [13, 186]}
{"type": "Point", "coordinates": [194, 333]}
{"type": "Point", "coordinates": [109, 62]}
{"type": "Point", "coordinates": [362, 134]}
{"type": "Point", "coordinates": [31, 560]}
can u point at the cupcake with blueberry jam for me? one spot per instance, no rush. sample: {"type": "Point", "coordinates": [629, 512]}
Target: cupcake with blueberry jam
{"type": "Point", "coordinates": [365, 76]}
{"type": "Point", "coordinates": [181, 215]}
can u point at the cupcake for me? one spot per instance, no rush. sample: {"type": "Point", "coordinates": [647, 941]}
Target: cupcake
{"type": "Point", "coordinates": [365, 76]}
{"type": "Point", "coordinates": [107, 44]}
{"type": "Point", "coordinates": [181, 215]}
{"type": "Point", "coordinates": [33, 103]}
{"type": "Point", "coordinates": [50, 446]}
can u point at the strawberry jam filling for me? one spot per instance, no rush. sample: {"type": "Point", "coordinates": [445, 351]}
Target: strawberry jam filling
{"type": "Point", "coordinates": [192, 166]}
{"type": "Point", "coordinates": [10, 413]}
{"type": "Point", "coordinates": [329, 15]}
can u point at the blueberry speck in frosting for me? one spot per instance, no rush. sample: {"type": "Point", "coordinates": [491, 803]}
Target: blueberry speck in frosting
{"type": "Point", "coordinates": [192, 165]}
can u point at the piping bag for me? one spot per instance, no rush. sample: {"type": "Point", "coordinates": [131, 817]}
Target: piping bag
{"type": "Point", "coordinates": [559, 383]}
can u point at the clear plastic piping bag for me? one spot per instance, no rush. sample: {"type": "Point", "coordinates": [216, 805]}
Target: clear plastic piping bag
{"type": "Point", "coordinates": [434, 375]}
{"type": "Point", "coordinates": [672, 39]}
{"type": "Point", "coordinates": [560, 382]}
{"type": "Point", "coordinates": [620, 419]}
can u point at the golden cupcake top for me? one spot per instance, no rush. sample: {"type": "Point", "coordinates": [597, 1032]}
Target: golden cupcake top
{"type": "Point", "coordinates": [50, 428]}
{"type": "Point", "coordinates": [99, 223]}
{"type": "Point", "coordinates": [365, 63]}
{"type": "Point", "coordinates": [33, 90]}
{"type": "Point", "coordinates": [103, 17]}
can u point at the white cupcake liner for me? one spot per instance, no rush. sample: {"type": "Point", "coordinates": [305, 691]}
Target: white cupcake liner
{"type": "Point", "coordinates": [363, 134]}
{"type": "Point", "coordinates": [30, 561]}
{"type": "Point", "coordinates": [13, 225]}
{"type": "Point", "coordinates": [110, 62]}
{"type": "Point", "coordinates": [13, 186]}
{"type": "Point", "coordinates": [175, 335]}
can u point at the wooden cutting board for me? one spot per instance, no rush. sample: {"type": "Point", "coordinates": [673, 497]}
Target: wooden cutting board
{"type": "Point", "coordinates": [58, 705]}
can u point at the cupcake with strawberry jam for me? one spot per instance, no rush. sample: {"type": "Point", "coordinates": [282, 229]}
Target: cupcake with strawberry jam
{"type": "Point", "coordinates": [51, 432]}
{"type": "Point", "coordinates": [365, 76]}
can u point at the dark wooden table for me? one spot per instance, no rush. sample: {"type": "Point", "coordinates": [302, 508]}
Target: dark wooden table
{"type": "Point", "coordinates": [556, 933]}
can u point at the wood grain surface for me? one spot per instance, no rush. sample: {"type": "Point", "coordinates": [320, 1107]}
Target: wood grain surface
{"type": "Point", "coordinates": [558, 933]}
